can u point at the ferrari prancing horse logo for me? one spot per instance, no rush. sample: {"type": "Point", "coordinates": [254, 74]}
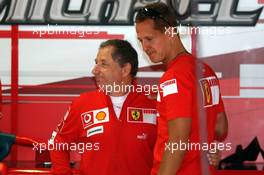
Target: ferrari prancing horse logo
{"type": "Point", "coordinates": [207, 93]}
{"type": "Point", "coordinates": [135, 114]}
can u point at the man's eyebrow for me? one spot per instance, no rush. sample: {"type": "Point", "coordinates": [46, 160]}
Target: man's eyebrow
{"type": "Point", "coordinates": [101, 60]}
{"type": "Point", "coordinates": [104, 60]}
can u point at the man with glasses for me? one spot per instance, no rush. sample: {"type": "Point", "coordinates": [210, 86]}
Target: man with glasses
{"type": "Point", "coordinates": [185, 80]}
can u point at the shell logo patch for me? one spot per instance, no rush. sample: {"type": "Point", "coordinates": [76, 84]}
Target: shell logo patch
{"type": "Point", "coordinates": [93, 117]}
{"type": "Point", "coordinates": [100, 115]}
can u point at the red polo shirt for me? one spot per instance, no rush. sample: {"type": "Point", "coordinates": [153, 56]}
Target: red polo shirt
{"type": "Point", "coordinates": [177, 98]}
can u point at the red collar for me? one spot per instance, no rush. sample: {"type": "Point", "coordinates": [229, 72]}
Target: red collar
{"type": "Point", "coordinates": [173, 61]}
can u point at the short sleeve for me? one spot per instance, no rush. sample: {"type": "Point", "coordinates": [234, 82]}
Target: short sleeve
{"type": "Point", "coordinates": [176, 93]}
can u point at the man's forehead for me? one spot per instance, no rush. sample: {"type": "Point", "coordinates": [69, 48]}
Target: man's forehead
{"type": "Point", "coordinates": [105, 51]}
{"type": "Point", "coordinates": [147, 23]}
{"type": "Point", "coordinates": [104, 58]}
{"type": "Point", "coordinates": [146, 28]}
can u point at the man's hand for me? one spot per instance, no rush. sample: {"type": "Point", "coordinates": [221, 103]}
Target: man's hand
{"type": "Point", "coordinates": [214, 158]}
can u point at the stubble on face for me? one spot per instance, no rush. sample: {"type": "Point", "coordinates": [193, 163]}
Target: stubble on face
{"type": "Point", "coordinates": [152, 40]}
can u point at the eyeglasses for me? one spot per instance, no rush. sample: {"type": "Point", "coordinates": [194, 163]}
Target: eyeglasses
{"type": "Point", "coordinates": [148, 12]}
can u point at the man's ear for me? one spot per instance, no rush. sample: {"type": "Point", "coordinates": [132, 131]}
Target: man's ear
{"type": "Point", "coordinates": [126, 69]}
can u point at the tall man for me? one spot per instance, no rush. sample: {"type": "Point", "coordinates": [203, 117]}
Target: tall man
{"type": "Point", "coordinates": [177, 106]}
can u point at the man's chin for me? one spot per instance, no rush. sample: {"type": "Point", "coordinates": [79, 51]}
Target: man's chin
{"type": "Point", "coordinates": [154, 59]}
{"type": "Point", "coordinates": [100, 85]}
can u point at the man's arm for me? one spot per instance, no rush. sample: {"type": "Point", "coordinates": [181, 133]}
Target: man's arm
{"type": "Point", "coordinates": [67, 132]}
{"type": "Point", "coordinates": [178, 130]}
{"type": "Point", "coordinates": [60, 160]}
{"type": "Point", "coordinates": [221, 128]}
{"type": "Point", "coordinates": [221, 131]}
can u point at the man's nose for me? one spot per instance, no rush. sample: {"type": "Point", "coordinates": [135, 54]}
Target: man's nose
{"type": "Point", "coordinates": [95, 70]}
{"type": "Point", "coordinates": [145, 46]}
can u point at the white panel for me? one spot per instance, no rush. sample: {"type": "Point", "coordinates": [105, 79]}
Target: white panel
{"type": "Point", "coordinates": [5, 61]}
{"type": "Point", "coordinates": [232, 39]}
{"type": "Point", "coordinates": [75, 4]}
{"type": "Point", "coordinates": [248, 5]}
{"type": "Point", "coordinates": [252, 93]}
{"type": "Point", "coordinates": [252, 82]}
{"type": "Point", "coordinates": [252, 75]}
{"type": "Point", "coordinates": [49, 60]}
{"type": "Point", "coordinates": [204, 7]}
{"type": "Point", "coordinates": [5, 27]}
{"type": "Point", "coordinates": [150, 74]}
{"type": "Point", "coordinates": [218, 74]}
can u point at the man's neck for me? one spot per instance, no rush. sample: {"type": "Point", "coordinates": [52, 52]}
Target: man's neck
{"type": "Point", "coordinates": [176, 50]}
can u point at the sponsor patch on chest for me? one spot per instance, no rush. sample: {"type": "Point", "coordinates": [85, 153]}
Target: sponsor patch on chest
{"type": "Point", "coordinates": [95, 130]}
{"type": "Point", "coordinates": [95, 117]}
{"type": "Point", "coordinates": [141, 115]}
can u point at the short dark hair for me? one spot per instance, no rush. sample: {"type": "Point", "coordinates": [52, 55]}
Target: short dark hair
{"type": "Point", "coordinates": [123, 53]}
{"type": "Point", "coordinates": [160, 13]}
